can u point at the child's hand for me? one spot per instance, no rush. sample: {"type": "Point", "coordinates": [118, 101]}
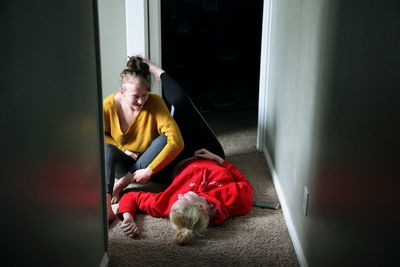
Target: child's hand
{"type": "Point", "coordinates": [205, 154]}
{"type": "Point", "coordinates": [128, 225]}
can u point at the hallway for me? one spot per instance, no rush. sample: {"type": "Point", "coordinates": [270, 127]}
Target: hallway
{"type": "Point", "coordinates": [259, 238]}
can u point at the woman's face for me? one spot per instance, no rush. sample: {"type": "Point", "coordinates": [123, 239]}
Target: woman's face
{"type": "Point", "coordinates": [188, 198]}
{"type": "Point", "coordinates": [134, 94]}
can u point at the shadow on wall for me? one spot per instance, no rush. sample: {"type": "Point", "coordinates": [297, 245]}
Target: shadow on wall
{"type": "Point", "coordinates": [356, 189]}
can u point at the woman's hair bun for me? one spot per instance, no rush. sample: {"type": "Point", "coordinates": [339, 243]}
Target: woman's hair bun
{"type": "Point", "coordinates": [137, 65]}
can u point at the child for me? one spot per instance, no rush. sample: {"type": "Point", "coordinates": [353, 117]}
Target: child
{"type": "Point", "coordinates": [206, 189]}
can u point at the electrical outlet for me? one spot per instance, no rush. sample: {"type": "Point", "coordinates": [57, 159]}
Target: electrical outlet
{"type": "Point", "coordinates": [306, 198]}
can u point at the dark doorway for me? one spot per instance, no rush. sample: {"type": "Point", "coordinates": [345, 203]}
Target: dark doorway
{"type": "Point", "coordinates": [212, 47]}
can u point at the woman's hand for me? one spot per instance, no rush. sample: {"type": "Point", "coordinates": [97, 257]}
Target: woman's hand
{"type": "Point", "coordinates": [142, 176]}
{"type": "Point", "coordinates": [132, 154]}
{"type": "Point", "coordinates": [155, 70]}
{"type": "Point", "coordinates": [205, 154]}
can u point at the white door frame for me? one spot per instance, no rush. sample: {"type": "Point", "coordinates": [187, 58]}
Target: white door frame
{"type": "Point", "coordinates": [264, 75]}
{"type": "Point", "coordinates": [143, 31]}
{"type": "Point", "coordinates": [154, 36]}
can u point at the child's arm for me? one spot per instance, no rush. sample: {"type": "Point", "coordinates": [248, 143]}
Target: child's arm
{"type": "Point", "coordinates": [205, 154]}
{"type": "Point", "coordinates": [127, 204]}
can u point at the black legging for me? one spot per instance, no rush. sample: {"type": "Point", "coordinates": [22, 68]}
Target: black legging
{"type": "Point", "coordinates": [195, 131]}
{"type": "Point", "coordinates": [117, 163]}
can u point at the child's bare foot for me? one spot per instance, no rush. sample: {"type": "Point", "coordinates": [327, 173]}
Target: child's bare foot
{"type": "Point", "coordinates": [110, 213]}
{"type": "Point", "coordinates": [157, 71]}
{"type": "Point", "coordinates": [128, 226]}
{"type": "Point", "coordinates": [119, 186]}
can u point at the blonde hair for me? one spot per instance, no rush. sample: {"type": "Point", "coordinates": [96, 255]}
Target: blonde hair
{"type": "Point", "coordinates": [189, 222]}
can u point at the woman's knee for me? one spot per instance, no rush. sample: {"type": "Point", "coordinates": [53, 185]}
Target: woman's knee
{"type": "Point", "coordinates": [156, 146]}
{"type": "Point", "coordinates": [160, 141]}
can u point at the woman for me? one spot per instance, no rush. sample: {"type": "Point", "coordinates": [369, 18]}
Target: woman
{"type": "Point", "coordinates": [140, 134]}
{"type": "Point", "coordinates": [206, 189]}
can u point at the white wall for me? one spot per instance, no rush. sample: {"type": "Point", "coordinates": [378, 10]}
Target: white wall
{"type": "Point", "coordinates": [143, 32]}
{"type": "Point", "coordinates": [296, 63]}
{"type": "Point", "coordinates": [113, 43]}
{"type": "Point", "coordinates": [128, 28]}
{"type": "Point", "coordinates": [136, 28]}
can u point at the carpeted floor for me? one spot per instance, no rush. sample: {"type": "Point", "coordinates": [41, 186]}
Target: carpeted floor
{"type": "Point", "coordinates": [259, 238]}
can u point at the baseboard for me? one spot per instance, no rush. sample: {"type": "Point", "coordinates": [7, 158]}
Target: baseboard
{"type": "Point", "coordinates": [286, 214]}
{"type": "Point", "coordinates": [104, 261]}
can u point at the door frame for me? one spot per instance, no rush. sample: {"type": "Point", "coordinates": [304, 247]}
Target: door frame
{"type": "Point", "coordinates": [264, 76]}
{"type": "Point", "coordinates": [154, 44]}
{"type": "Point", "coordinates": [143, 32]}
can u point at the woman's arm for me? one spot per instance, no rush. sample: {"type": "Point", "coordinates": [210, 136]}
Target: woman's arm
{"type": "Point", "coordinates": [167, 126]}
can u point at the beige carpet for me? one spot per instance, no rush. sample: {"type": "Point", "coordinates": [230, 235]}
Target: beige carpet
{"type": "Point", "coordinates": [259, 238]}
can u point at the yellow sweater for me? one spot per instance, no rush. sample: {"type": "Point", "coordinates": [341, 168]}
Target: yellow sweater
{"type": "Point", "coordinates": [152, 121]}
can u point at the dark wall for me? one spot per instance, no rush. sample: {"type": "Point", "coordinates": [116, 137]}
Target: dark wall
{"type": "Point", "coordinates": [51, 168]}
{"type": "Point", "coordinates": [357, 189]}
{"type": "Point", "coordinates": [332, 127]}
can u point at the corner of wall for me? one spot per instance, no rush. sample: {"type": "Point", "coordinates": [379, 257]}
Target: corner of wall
{"type": "Point", "coordinates": [286, 212]}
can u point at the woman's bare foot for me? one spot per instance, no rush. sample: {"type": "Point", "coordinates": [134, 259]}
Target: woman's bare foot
{"type": "Point", "coordinates": [110, 213]}
{"type": "Point", "coordinates": [119, 186]}
{"type": "Point", "coordinates": [157, 71]}
{"type": "Point", "coordinates": [128, 226]}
